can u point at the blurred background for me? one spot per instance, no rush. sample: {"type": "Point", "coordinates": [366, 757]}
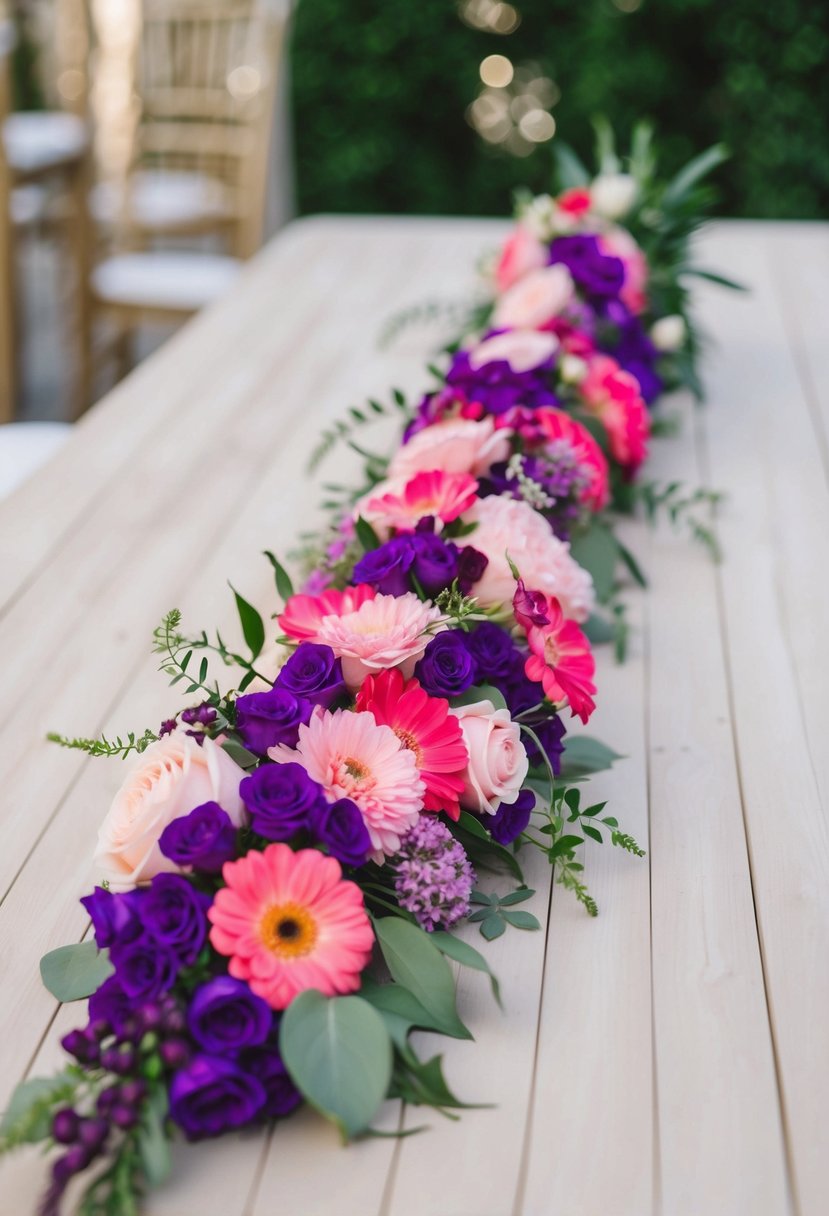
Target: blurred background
{"type": "Point", "coordinates": [150, 146]}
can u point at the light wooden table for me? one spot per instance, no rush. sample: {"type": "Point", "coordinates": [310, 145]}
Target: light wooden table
{"type": "Point", "coordinates": [670, 1058]}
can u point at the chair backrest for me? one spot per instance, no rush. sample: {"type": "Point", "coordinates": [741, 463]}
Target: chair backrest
{"type": "Point", "coordinates": [7, 326]}
{"type": "Point", "coordinates": [206, 75]}
{"type": "Point", "coordinates": [60, 31]}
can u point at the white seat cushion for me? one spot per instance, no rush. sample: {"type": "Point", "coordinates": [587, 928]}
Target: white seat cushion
{"type": "Point", "coordinates": [160, 200]}
{"type": "Point", "coordinates": [24, 447]}
{"type": "Point", "coordinates": [28, 204]}
{"type": "Point", "coordinates": [182, 282]}
{"type": "Point", "coordinates": [37, 140]}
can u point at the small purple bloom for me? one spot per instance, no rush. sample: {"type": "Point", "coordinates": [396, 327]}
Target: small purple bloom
{"type": "Point", "coordinates": [113, 916]}
{"type": "Point", "coordinates": [493, 650]}
{"type": "Point", "coordinates": [281, 798]}
{"type": "Point", "coordinates": [341, 828]}
{"type": "Point", "coordinates": [111, 1004]}
{"type": "Point", "coordinates": [205, 839]}
{"type": "Point", "coordinates": [144, 968]}
{"type": "Point", "coordinates": [314, 673]}
{"type": "Point", "coordinates": [435, 562]}
{"type": "Point", "coordinates": [596, 273]}
{"type": "Point", "coordinates": [266, 719]}
{"type": "Point", "coordinates": [550, 734]}
{"type": "Point", "coordinates": [447, 668]}
{"type": "Point", "coordinates": [225, 1016]}
{"type": "Point", "coordinates": [281, 1095]}
{"type": "Point", "coordinates": [471, 566]}
{"type": "Point", "coordinates": [511, 819]}
{"type": "Point", "coordinates": [175, 913]}
{"type": "Point", "coordinates": [201, 715]}
{"type": "Point", "coordinates": [167, 727]}
{"type": "Point", "coordinates": [433, 878]}
{"type": "Point", "coordinates": [387, 567]}
{"type": "Point", "coordinates": [212, 1095]}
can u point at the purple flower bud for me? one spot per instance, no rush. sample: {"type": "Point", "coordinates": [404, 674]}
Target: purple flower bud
{"type": "Point", "coordinates": [150, 1016]}
{"type": "Point", "coordinates": [471, 566]}
{"type": "Point", "coordinates": [201, 715]}
{"type": "Point", "coordinates": [175, 1052]}
{"type": "Point", "coordinates": [81, 1045]}
{"type": "Point", "coordinates": [107, 1098]}
{"type": "Point", "coordinates": [167, 727]}
{"type": "Point", "coordinates": [132, 1093]}
{"type": "Point", "coordinates": [92, 1133]}
{"type": "Point", "coordinates": [124, 1116]}
{"type": "Point", "coordinates": [120, 1060]}
{"type": "Point", "coordinates": [65, 1125]}
{"type": "Point", "coordinates": [174, 1020]}
{"type": "Point", "coordinates": [72, 1162]}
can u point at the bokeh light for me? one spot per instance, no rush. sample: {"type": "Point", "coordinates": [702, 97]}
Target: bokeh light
{"type": "Point", "coordinates": [496, 71]}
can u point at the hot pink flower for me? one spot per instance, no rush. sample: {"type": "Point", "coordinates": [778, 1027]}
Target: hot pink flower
{"type": "Point", "coordinates": [559, 427]}
{"type": "Point", "coordinates": [535, 299]}
{"type": "Point", "coordinates": [352, 756]}
{"type": "Point", "coordinates": [614, 396]}
{"type": "Point", "coordinates": [288, 922]}
{"type": "Point", "coordinates": [523, 350]}
{"type": "Point", "coordinates": [444, 496]}
{"type": "Point", "coordinates": [302, 615]}
{"type": "Point", "coordinates": [562, 662]}
{"type": "Point", "coordinates": [459, 445]}
{"type": "Point", "coordinates": [575, 202]}
{"type": "Point", "coordinates": [386, 631]}
{"type": "Point", "coordinates": [522, 252]}
{"type": "Point", "coordinates": [425, 726]}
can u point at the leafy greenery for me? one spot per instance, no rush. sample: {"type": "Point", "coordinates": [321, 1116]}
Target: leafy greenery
{"type": "Point", "coordinates": [419, 966]}
{"type": "Point", "coordinates": [29, 1114]}
{"type": "Point", "coordinates": [679, 504]}
{"type": "Point", "coordinates": [107, 747]}
{"type": "Point", "coordinates": [72, 973]}
{"type": "Point", "coordinates": [497, 911]}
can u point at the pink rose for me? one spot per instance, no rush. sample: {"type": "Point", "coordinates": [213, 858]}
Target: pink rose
{"type": "Point", "coordinates": [535, 299]}
{"type": "Point", "coordinates": [459, 445]}
{"type": "Point", "coordinates": [497, 760]}
{"type": "Point", "coordinates": [170, 779]}
{"type": "Point", "coordinates": [523, 350]}
{"type": "Point", "coordinates": [522, 252]}
{"type": "Point", "coordinates": [509, 526]}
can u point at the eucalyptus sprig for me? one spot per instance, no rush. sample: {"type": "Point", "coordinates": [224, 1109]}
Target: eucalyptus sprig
{"type": "Point", "coordinates": [343, 430]}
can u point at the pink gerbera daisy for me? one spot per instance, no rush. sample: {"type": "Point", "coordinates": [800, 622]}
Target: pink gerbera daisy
{"type": "Point", "coordinates": [442, 495]}
{"type": "Point", "coordinates": [386, 631]}
{"type": "Point", "coordinates": [302, 614]}
{"type": "Point", "coordinates": [614, 396]}
{"type": "Point", "coordinates": [561, 660]}
{"type": "Point", "coordinates": [288, 922]}
{"type": "Point", "coordinates": [352, 756]}
{"type": "Point", "coordinates": [425, 726]}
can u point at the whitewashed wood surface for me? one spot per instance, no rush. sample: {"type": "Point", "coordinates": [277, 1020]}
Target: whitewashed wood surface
{"type": "Point", "coordinates": [668, 1059]}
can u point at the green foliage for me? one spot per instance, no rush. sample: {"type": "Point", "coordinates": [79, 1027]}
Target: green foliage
{"type": "Point", "coordinates": [497, 911]}
{"type": "Point", "coordinates": [72, 973]}
{"type": "Point", "coordinates": [484, 852]}
{"type": "Point", "coordinates": [680, 505]}
{"type": "Point", "coordinates": [339, 1055]}
{"type": "Point", "coordinates": [584, 755]}
{"type": "Point", "coordinates": [107, 747]}
{"type": "Point", "coordinates": [419, 966]}
{"type": "Point", "coordinates": [380, 94]}
{"type": "Point", "coordinates": [342, 431]}
{"type": "Point", "coordinates": [459, 950]}
{"type": "Point", "coordinates": [28, 1117]}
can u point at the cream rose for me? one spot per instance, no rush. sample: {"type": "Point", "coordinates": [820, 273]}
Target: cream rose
{"type": "Point", "coordinates": [170, 779]}
{"type": "Point", "coordinates": [535, 299]}
{"type": "Point", "coordinates": [498, 762]}
{"type": "Point", "coordinates": [460, 445]}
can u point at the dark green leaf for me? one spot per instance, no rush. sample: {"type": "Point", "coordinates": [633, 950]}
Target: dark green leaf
{"type": "Point", "coordinates": [366, 535]}
{"type": "Point", "coordinates": [419, 966]}
{"type": "Point", "coordinates": [284, 586]}
{"type": "Point", "coordinates": [584, 754]}
{"type": "Point", "coordinates": [482, 849]}
{"type": "Point", "coordinates": [521, 920]}
{"type": "Point", "coordinates": [564, 844]}
{"type": "Point", "coordinates": [692, 173]}
{"type": "Point", "coordinates": [493, 926]}
{"type": "Point", "coordinates": [399, 1009]}
{"type": "Point", "coordinates": [598, 629]}
{"type": "Point", "coordinates": [592, 832]}
{"type": "Point", "coordinates": [516, 897]}
{"type": "Point", "coordinates": [28, 1116]}
{"type": "Point", "coordinates": [240, 754]}
{"type": "Point", "coordinates": [467, 956]}
{"type": "Point", "coordinates": [253, 628]}
{"type": "Point", "coordinates": [72, 973]}
{"type": "Point", "coordinates": [598, 552]}
{"type": "Point", "coordinates": [480, 692]}
{"type": "Point", "coordinates": [571, 170]}
{"type": "Point", "coordinates": [632, 564]}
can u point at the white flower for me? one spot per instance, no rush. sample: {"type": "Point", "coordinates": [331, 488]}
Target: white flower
{"type": "Point", "coordinates": [668, 333]}
{"type": "Point", "coordinates": [573, 369]}
{"type": "Point", "coordinates": [613, 194]}
{"type": "Point", "coordinates": [540, 216]}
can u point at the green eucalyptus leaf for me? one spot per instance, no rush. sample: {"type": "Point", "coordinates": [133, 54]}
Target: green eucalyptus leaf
{"type": "Point", "coordinates": [583, 755]}
{"type": "Point", "coordinates": [598, 629]}
{"type": "Point", "coordinates": [72, 973]}
{"type": "Point", "coordinates": [366, 535]}
{"type": "Point", "coordinates": [521, 920]}
{"type": "Point", "coordinates": [597, 550]}
{"type": "Point", "coordinates": [420, 967]}
{"type": "Point", "coordinates": [400, 1009]}
{"type": "Point", "coordinates": [153, 1141]}
{"type": "Point", "coordinates": [461, 951]}
{"type": "Point", "coordinates": [338, 1053]}
{"type": "Point", "coordinates": [493, 926]}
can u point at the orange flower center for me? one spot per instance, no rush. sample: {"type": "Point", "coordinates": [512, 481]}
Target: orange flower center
{"type": "Point", "coordinates": [355, 768]}
{"type": "Point", "coordinates": [552, 654]}
{"type": "Point", "coordinates": [288, 930]}
{"type": "Point", "coordinates": [409, 741]}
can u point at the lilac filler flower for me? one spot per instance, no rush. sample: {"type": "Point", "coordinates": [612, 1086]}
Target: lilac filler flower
{"type": "Point", "coordinates": [265, 719]}
{"type": "Point", "coordinates": [204, 840]}
{"type": "Point", "coordinates": [386, 568]}
{"type": "Point", "coordinates": [282, 800]}
{"type": "Point", "coordinates": [226, 1016]}
{"type": "Point", "coordinates": [313, 673]}
{"type": "Point", "coordinates": [175, 914]}
{"type": "Point", "coordinates": [434, 878]}
{"type": "Point", "coordinates": [511, 819]}
{"type": "Point", "coordinates": [341, 828]}
{"type": "Point", "coordinates": [447, 668]}
{"type": "Point", "coordinates": [212, 1095]}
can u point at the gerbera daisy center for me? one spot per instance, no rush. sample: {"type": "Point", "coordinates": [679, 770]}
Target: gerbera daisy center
{"type": "Point", "coordinates": [288, 930]}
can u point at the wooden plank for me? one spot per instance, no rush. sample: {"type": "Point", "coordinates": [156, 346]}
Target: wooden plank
{"type": "Point", "coordinates": [757, 444]}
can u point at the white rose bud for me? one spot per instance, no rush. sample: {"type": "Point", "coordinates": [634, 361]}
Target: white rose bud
{"type": "Point", "coordinates": [539, 217]}
{"type": "Point", "coordinates": [613, 194]}
{"type": "Point", "coordinates": [572, 368]}
{"type": "Point", "coordinates": [668, 333]}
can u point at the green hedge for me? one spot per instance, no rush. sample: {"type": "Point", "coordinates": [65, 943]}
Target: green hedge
{"type": "Point", "coordinates": [381, 86]}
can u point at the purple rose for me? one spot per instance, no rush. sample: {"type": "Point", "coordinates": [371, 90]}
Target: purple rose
{"type": "Point", "coordinates": [281, 1095]}
{"type": "Point", "coordinates": [313, 673]}
{"type": "Point", "coordinates": [597, 273]}
{"type": "Point", "coordinates": [225, 1016]}
{"type": "Point", "coordinates": [493, 650]}
{"type": "Point", "coordinates": [550, 734]}
{"type": "Point", "coordinates": [175, 914]}
{"type": "Point", "coordinates": [281, 798]}
{"type": "Point", "coordinates": [144, 968]}
{"type": "Point", "coordinates": [510, 820]}
{"type": "Point", "coordinates": [341, 828]}
{"type": "Point", "coordinates": [205, 839]}
{"type": "Point", "coordinates": [113, 916]}
{"type": "Point", "coordinates": [518, 690]}
{"type": "Point", "coordinates": [212, 1095]}
{"type": "Point", "coordinates": [471, 566]}
{"type": "Point", "coordinates": [265, 719]}
{"type": "Point", "coordinates": [386, 567]}
{"type": "Point", "coordinates": [435, 562]}
{"type": "Point", "coordinates": [447, 668]}
{"type": "Point", "coordinates": [111, 1004]}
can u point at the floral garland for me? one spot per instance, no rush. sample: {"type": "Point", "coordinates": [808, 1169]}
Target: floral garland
{"type": "Point", "coordinates": [284, 865]}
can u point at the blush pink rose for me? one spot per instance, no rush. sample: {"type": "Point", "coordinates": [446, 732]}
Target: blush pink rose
{"type": "Point", "coordinates": [508, 526]}
{"type": "Point", "coordinates": [459, 445]}
{"type": "Point", "coordinates": [498, 763]}
{"type": "Point", "coordinates": [523, 350]}
{"type": "Point", "coordinates": [535, 299]}
{"type": "Point", "coordinates": [169, 780]}
{"type": "Point", "coordinates": [522, 252]}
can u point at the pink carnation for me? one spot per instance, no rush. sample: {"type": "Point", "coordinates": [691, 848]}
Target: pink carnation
{"type": "Point", "coordinates": [303, 614]}
{"type": "Point", "coordinates": [523, 350]}
{"type": "Point", "coordinates": [507, 526]}
{"type": "Point", "coordinates": [614, 396]}
{"type": "Point", "coordinates": [352, 756]}
{"type": "Point", "coordinates": [459, 445]}
{"type": "Point", "coordinates": [535, 299]}
{"type": "Point", "coordinates": [522, 252]}
{"type": "Point", "coordinates": [387, 631]}
{"type": "Point", "coordinates": [399, 504]}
